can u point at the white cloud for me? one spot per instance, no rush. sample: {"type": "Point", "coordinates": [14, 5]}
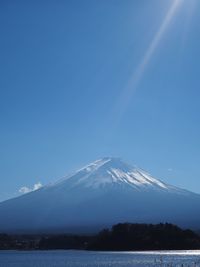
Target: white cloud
{"type": "Point", "coordinates": [170, 170]}
{"type": "Point", "coordinates": [25, 189]}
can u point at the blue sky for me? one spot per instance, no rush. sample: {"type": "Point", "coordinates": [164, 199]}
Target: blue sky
{"type": "Point", "coordinates": [81, 80]}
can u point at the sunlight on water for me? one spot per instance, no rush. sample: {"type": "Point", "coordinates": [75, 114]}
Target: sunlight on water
{"type": "Point", "coordinates": [99, 259]}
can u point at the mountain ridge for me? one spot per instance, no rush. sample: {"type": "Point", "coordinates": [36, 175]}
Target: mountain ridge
{"type": "Point", "coordinates": [119, 171]}
{"type": "Point", "coordinates": [102, 193]}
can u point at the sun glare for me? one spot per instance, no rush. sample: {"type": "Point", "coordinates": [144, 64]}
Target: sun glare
{"type": "Point", "coordinates": [127, 93]}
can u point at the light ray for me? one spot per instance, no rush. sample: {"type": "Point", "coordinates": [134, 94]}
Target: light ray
{"type": "Point", "coordinates": [125, 97]}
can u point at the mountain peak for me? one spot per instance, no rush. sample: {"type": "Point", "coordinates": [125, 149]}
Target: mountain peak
{"type": "Point", "coordinates": [112, 171]}
{"type": "Point", "coordinates": [105, 192]}
{"type": "Point", "coordinates": [105, 162]}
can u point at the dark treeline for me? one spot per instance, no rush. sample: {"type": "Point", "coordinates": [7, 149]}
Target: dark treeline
{"type": "Point", "coordinates": [19, 241]}
{"type": "Point", "coordinates": [44, 242]}
{"type": "Point", "coordinates": [129, 236]}
{"type": "Point", "coordinates": [124, 236]}
{"type": "Point", "coordinates": [65, 242]}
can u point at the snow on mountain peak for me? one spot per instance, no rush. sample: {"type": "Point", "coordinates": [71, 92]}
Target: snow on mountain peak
{"type": "Point", "coordinates": [113, 171]}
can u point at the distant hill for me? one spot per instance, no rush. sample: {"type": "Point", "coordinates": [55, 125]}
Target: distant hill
{"type": "Point", "coordinates": [121, 237]}
{"type": "Point", "coordinates": [129, 236]}
{"type": "Point", "coordinates": [99, 195]}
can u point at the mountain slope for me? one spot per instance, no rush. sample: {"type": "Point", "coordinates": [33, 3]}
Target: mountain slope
{"type": "Point", "coordinates": [105, 192]}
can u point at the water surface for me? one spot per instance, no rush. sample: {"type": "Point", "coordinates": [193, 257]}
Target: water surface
{"type": "Point", "coordinates": [70, 258]}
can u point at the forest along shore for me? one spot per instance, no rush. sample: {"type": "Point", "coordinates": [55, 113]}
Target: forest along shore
{"type": "Point", "coordinates": [121, 237]}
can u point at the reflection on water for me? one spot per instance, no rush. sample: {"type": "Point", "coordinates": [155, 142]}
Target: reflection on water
{"type": "Point", "coordinates": [99, 259]}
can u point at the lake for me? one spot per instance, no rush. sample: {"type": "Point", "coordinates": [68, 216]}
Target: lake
{"type": "Point", "coordinates": [70, 258]}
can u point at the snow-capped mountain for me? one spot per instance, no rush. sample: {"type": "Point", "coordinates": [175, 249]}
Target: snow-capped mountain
{"type": "Point", "coordinates": [104, 192]}
{"type": "Point", "coordinates": [114, 172]}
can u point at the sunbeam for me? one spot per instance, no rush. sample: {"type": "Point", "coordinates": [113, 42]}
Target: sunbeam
{"type": "Point", "coordinates": [126, 95]}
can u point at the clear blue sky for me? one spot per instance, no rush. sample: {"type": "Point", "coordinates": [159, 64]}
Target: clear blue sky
{"type": "Point", "coordinates": [80, 80]}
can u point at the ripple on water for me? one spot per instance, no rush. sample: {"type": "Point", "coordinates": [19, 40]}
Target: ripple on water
{"type": "Point", "coordinates": [99, 259]}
